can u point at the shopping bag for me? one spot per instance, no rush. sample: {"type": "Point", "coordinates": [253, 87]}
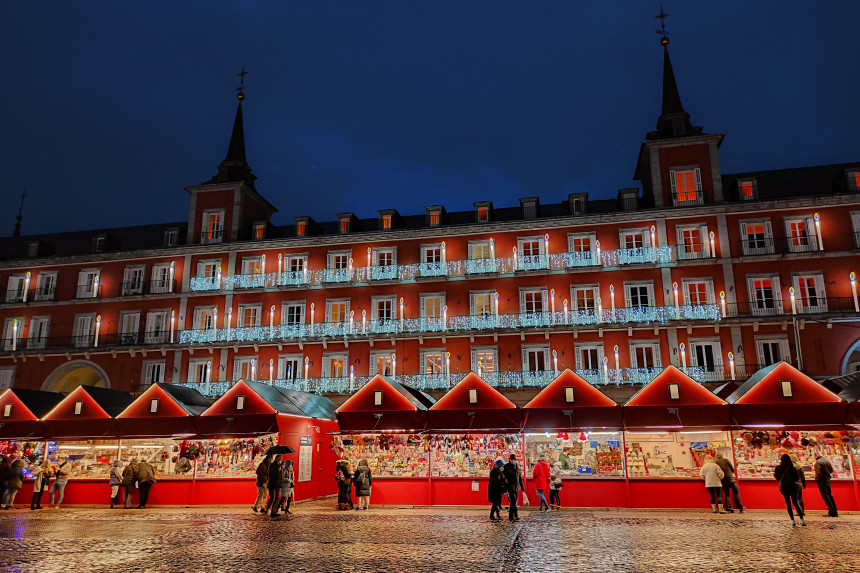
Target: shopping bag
{"type": "Point", "coordinates": [525, 498]}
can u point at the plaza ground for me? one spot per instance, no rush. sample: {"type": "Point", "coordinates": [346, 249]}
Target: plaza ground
{"type": "Point", "coordinates": [318, 538]}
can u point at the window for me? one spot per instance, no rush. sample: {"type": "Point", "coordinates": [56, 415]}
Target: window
{"type": "Point", "coordinates": [153, 372]}
{"type": "Point", "coordinates": [481, 303]}
{"type": "Point", "coordinates": [248, 315]}
{"type": "Point", "coordinates": [344, 225]}
{"type": "Point", "coordinates": [698, 292]}
{"type": "Point", "coordinates": [485, 360]}
{"type": "Point", "coordinates": [38, 335]}
{"type": "Point", "coordinates": [480, 257]}
{"type": "Point", "coordinates": [645, 355]}
{"type": "Point", "coordinates": [633, 239]}
{"type": "Point", "coordinates": [15, 289]}
{"type": "Point", "coordinates": [252, 265]}
{"type": "Point", "coordinates": [431, 305]}
{"type": "Point", "coordinates": [156, 327]}
{"type": "Point", "coordinates": [633, 246]}
{"type": "Point", "coordinates": [581, 247]}
{"type": "Point", "coordinates": [757, 237]}
{"type": "Point", "coordinates": [337, 310]}
{"type": "Point", "coordinates": [809, 292]}
{"type": "Point", "coordinates": [213, 227]}
{"type": "Point", "coordinates": [686, 186]}
{"type": "Point", "coordinates": [245, 368]}
{"type": "Point", "coordinates": [577, 203]}
{"type": "Point", "coordinates": [88, 283]}
{"type": "Point", "coordinates": [84, 330]}
{"type": "Point", "coordinates": [301, 228]}
{"type": "Point", "coordinates": [338, 259]}
{"type": "Point", "coordinates": [533, 300]}
{"type": "Point", "coordinates": [386, 222]}
{"type": "Point", "coordinates": [161, 279]}
{"type": "Point", "coordinates": [765, 296]}
{"type": "Point", "coordinates": [171, 237]}
{"type": "Point", "coordinates": [706, 354]}
{"type": "Point", "coordinates": [7, 377]}
{"type": "Point", "coordinates": [290, 367]}
{"type": "Point", "coordinates": [334, 365]}
{"type": "Point", "coordinates": [384, 263]}
{"type": "Point", "coordinates": [772, 350]}
{"type": "Point", "coordinates": [479, 250]}
{"type": "Point", "coordinates": [381, 363]}
{"type": "Point", "coordinates": [483, 214]}
{"type": "Point", "coordinates": [432, 263]}
{"type": "Point", "coordinates": [433, 361]}
{"type": "Point", "coordinates": [293, 312]}
{"type": "Point", "coordinates": [747, 189]}
{"type": "Point", "coordinates": [693, 242]}
{"type": "Point", "coordinates": [46, 286]}
{"type": "Point", "coordinates": [639, 295]}
{"type": "Point", "coordinates": [589, 356]}
{"type": "Point", "coordinates": [258, 231]}
{"type": "Point", "coordinates": [199, 370]}
{"type": "Point", "coordinates": [383, 309]}
{"type": "Point", "coordinates": [854, 180]}
{"type": "Point", "coordinates": [99, 244]}
{"type": "Point", "coordinates": [535, 359]}
{"type": "Point", "coordinates": [583, 297]}
{"type": "Point", "coordinates": [208, 268]}
{"type": "Point", "coordinates": [435, 218]}
{"type": "Point", "coordinates": [531, 253]}
{"type": "Point", "coordinates": [800, 233]}
{"type": "Point", "coordinates": [129, 327]}
{"type": "Point", "coordinates": [204, 318]}
{"type": "Point", "coordinates": [132, 280]}
{"type": "Point", "coordinates": [13, 329]}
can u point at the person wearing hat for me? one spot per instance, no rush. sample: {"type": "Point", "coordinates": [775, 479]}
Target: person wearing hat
{"type": "Point", "coordinates": [495, 488]}
{"type": "Point", "coordinates": [541, 476]}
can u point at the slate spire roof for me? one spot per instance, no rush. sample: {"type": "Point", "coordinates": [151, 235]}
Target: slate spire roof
{"type": "Point", "coordinates": [674, 121]}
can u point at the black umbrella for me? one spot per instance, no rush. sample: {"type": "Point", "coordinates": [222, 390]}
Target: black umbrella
{"type": "Point", "coordinates": [280, 449]}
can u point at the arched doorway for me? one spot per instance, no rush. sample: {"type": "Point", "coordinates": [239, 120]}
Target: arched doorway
{"type": "Point", "coordinates": [76, 373]}
{"type": "Point", "coordinates": [851, 362]}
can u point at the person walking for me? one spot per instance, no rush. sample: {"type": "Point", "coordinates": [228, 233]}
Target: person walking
{"type": "Point", "coordinates": [41, 476]}
{"type": "Point", "coordinates": [787, 476]}
{"type": "Point", "coordinates": [262, 480]}
{"type": "Point", "coordinates": [145, 479]}
{"type": "Point", "coordinates": [713, 476]}
{"type": "Point", "coordinates": [15, 482]}
{"type": "Point", "coordinates": [730, 484]}
{"type": "Point", "coordinates": [287, 485]}
{"type": "Point", "coordinates": [363, 481]}
{"type": "Point", "coordinates": [514, 481]}
{"type": "Point", "coordinates": [540, 474]}
{"type": "Point", "coordinates": [274, 485]}
{"type": "Point", "coordinates": [801, 482]}
{"type": "Point", "coordinates": [344, 480]}
{"type": "Point", "coordinates": [823, 473]}
{"type": "Point", "coordinates": [555, 485]}
{"type": "Point", "coordinates": [495, 488]}
{"type": "Point", "coordinates": [129, 480]}
{"type": "Point", "coordinates": [115, 481]}
{"type": "Point", "coordinates": [61, 479]}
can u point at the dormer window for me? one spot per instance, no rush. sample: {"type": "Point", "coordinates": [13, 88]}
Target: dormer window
{"type": "Point", "coordinates": [854, 180]}
{"type": "Point", "coordinates": [388, 219]}
{"type": "Point", "coordinates": [386, 222]}
{"type": "Point", "coordinates": [628, 199]}
{"type": "Point", "coordinates": [482, 211]}
{"type": "Point", "coordinates": [213, 227]}
{"type": "Point", "coordinates": [301, 229]}
{"type": "Point", "coordinates": [344, 225]}
{"type": "Point", "coordinates": [529, 207]}
{"type": "Point", "coordinates": [171, 237]}
{"type": "Point", "coordinates": [747, 189]}
{"type": "Point", "coordinates": [577, 203]}
{"type": "Point", "coordinates": [99, 243]}
{"type": "Point", "coordinates": [258, 231]}
{"type": "Point", "coordinates": [686, 186]}
{"type": "Point", "coordinates": [434, 215]}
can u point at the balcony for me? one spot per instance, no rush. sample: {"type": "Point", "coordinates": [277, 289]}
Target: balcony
{"type": "Point", "coordinates": [334, 276]}
{"type": "Point", "coordinates": [688, 198]}
{"type": "Point", "coordinates": [86, 291]}
{"type": "Point", "coordinates": [532, 262]}
{"type": "Point", "coordinates": [693, 251]}
{"type": "Point", "coordinates": [211, 237]}
{"type": "Point", "coordinates": [437, 269]}
{"type": "Point", "coordinates": [760, 245]}
{"type": "Point", "coordinates": [383, 273]}
{"type": "Point", "coordinates": [637, 255]}
{"type": "Point", "coordinates": [44, 293]}
{"type": "Point", "coordinates": [15, 295]}
{"type": "Point", "coordinates": [480, 266]}
{"type": "Point", "coordinates": [202, 284]}
{"type": "Point", "coordinates": [159, 286]}
{"type": "Point", "coordinates": [576, 259]}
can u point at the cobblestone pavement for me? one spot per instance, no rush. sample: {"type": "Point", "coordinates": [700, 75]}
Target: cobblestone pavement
{"type": "Point", "coordinates": [318, 538]}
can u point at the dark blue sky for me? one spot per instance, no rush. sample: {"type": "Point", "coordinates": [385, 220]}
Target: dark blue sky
{"type": "Point", "coordinates": [111, 108]}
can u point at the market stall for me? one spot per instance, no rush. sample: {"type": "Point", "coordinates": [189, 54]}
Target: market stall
{"type": "Point", "coordinates": [471, 426]}
{"type": "Point", "coordinates": [851, 394]}
{"type": "Point", "coordinates": [780, 410]}
{"type": "Point", "coordinates": [576, 425]}
{"type": "Point", "coordinates": [22, 434]}
{"type": "Point", "coordinates": [671, 424]}
{"type": "Point", "coordinates": [236, 430]}
{"type": "Point", "coordinates": [386, 423]}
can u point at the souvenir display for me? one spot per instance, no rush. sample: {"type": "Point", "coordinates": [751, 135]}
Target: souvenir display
{"type": "Point", "coordinates": [30, 452]}
{"type": "Point", "coordinates": [757, 453]}
{"type": "Point", "coordinates": [392, 455]}
{"type": "Point", "coordinates": [580, 454]}
{"type": "Point", "coordinates": [673, 454]}
{"type": "Point", "coordinates": [471, 455]}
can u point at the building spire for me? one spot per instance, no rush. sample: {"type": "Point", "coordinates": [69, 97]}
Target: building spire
{"type": "Point", "coordinates": [674, 121]}
{"type": "Point", "coordinates": [235, 167]}
{"type": "Point", "coordinates": [17, 231]}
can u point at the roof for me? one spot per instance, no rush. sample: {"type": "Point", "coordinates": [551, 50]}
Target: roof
{"type": "Point", "coordinates": [111, 401]}
{"type": "Point", "coordinates": [38, 402]}
{"type": "Point", "coordinates": [491, 410]}
{"type": "Point", "coordinates": [657, 405]}
{"type": "Point", "coordinates": [189, 399]}
{"type": "Point", "coordinates": [398, 407]}
{"type": "Point", "coordinates": [585, 407]}
{"type": "Point", "coordinates": [776, 184]}
{"type": "Point", "coordinates": [851, 391]}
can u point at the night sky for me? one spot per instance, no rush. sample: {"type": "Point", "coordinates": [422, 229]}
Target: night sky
{"type": "Point", "coordinates": [111, 108]}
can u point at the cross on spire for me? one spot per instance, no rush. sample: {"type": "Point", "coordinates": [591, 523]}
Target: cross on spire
{"type": "Point", "coordinates": [17, 231]}
{"type": "Point", "coordinates": [664, 40]}
{"type": "Point", "coordinates": [241, 89]}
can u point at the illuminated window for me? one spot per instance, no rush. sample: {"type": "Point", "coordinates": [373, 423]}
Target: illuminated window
{"type": "Point", "coordinates": [381, 363]}
{"type": "Point", "coordinates": [435, 218]}
{"type": "Point", "coordinates": [198, 369]}
{"type": "Point", "coordinates": [582, 297]}
{"type": "Point", "coordinates": [344, 225]}
{"type": "Point", "coordinates": [252, 265]}
{"type": "Point", "coordinates": [337, 311]}
{"type": "Point", "coordinates": [809, 292]}
{"type": "Point", "coordinates": [765, 295]}
{"type": "Point", "coordinates": [854, 180]}
{"type": "Point", "coordinates": [213, 227]}
{"type": "Point", "coordinates": [639, 294]}
{"type": "Point", "coordinates": [431, 305]}
{"type": "Point", "coordinates": [632, 239]}
{"type": "Point", "coordinates": [335, 365]}
{"type": "Point", "coordinates": [432, 361]}
{"type": "Point", "coordinates": [301, 228]}
{"type": "Point", "coordinates": [485, 359]}
{"type": "Point", "coordinates": [248, 315]}
{"type": "Point", "coordinates": [645, 355]}
{"type": "Point", "coordinates": [801, 234]}
{"type": "Point", "coordinates": [532, 300]}
{"type": "Point", "coordinates": [589, 356]}
{"type": "Point", "coordinates": [757, 238]}
{"type": "Point", "coordinates": [698, 292]}
{"type": "Point", "coordinates": [686, 185]}
{"type": "Point", "coordinates": [259, 231]}
{"type": "Point", "coordinates": [693, 242]}
{"type": "Point", "coordinates": [483, 214]}
{"type": "Point", "coordinates": [386, 222]}
{"type": "Point", "coordinates": [747, 192]}
{"type": "Point", "coordinates": [580, 243]}
{"type": "Point", "coordinates": [481, 303]}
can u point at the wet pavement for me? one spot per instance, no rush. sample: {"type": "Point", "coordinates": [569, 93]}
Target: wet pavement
{"type": "Point", "coordinates": [318, 538]}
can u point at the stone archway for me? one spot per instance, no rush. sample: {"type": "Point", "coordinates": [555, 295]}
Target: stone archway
{"type": "Point", "coordinates": [76, 373]}
{"type": "Point", "coordinates": [851, 362]}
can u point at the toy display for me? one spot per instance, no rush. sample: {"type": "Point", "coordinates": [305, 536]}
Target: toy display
{"type": "Point", "coordinates": [393, 455]}
{"type": "Point", "coordinates": [580, 454]}
{"type": "Point", "coordinates": [673, 454]}
{"type": "Point", "coordinates": [471, 455]}
{"type": "Point", "coordinates": [757, 453]}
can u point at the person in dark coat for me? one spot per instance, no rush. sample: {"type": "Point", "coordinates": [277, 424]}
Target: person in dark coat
{"type": "Point", "coordinates": [344, 483]}
{"type": "Point", "coordinates": [787, 476]}
{"type": "Point", "coordinates": [514, 481]}
{"type": "Point", "coordinates": [129, 479]}
{"type": "Point", "coordinates": [729, 484]}
{"type": "Point", "coordinates": [495, 488]}
{"type": "Point", "coordinates": [145, 479]}
{"type": "Point", "coordinates": [274, 485]}
{"type": "Point", "coordinates": [362, 481]}
{"type": "Point", "coordinates": [823, 472]}
{"type": "Point", "coordinates": [262, 480]}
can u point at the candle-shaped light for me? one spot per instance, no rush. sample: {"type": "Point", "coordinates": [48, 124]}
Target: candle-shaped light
{"type": "Point", "coordinates": [818, 231]}
{"type": "Point", "coordinates": [552, 306]}
{"type": "Point", "coordinates": [172, 324]}
{"type": "Point", "coordinates": [683, 348]}
{"type": "Point", "coordinates": [95, 286]}
{"type": "Point", "coordinates": [675, 294]}
{"type": "Point", "coordinates": [793, 300]}
{"type": "Point", "coordinates": [15, 334]}
{"type": "Point", "coordinates": [599, 309]}
{"type": "Point", "coordinates": [597, 251]}
{"type": "Point", "coordinates": [493, 251]}
{"type": "Point", "coordinates": [253, 369]}
{"type": "Point", "coordinates": [711, 242]}
{"type": "Point", "coordinates": [351, 377]}
{"type": "Point", "coordinates": [218, 278]}
{"type": "Point", "coordinates": [27, 278]}
{"type": "Point", "coordinates": [351, 318]}
{"type": "Point", "coordinates": [605, 370]}
{"type": "Point", "coordinates": [280, 265]}
{"type": "Point", "coordinates": [732, 365]}
{"type": "Point", "coordinates": [229, 320]}
{"type": "Point", "coordinates": [393, 365]}
{"type": "Point", "coordinates": [612, 299]}
{"type": "Point", "coordinates": [208, 375]}
{"type": "Point", "coordinates": [566, 315]}
{"type": "Point", "coordinates": [555, 362]}
{"type": "Point", "coordinates": [364, 321]}
{"type": "Point", "coordinates": [546, 248]}
{"type": "Point", "coordinates": [313, 309]}
{"type": "Point", "coordinates": [516, 260]}
{"type": "Point", "coordinates": [305, 274]}
{"type": "Point", "coordinates": [723, 302]}
{"type": "Point", "coordinates": [215, 320]}
{"type": "Point", "coordinates": [447, 366]}
{"type": "Point", "coordinates": [271, 371]}
{"type": "Point", "coordinates": [263, 264]}
{"type": "Point", "coordinates": [307, 367]}
{"type": "Point", "coordinates": [349, 268]}
{"type": "Point", "coordinates": [496, 303]}
{"type": "Point", "coordinates": [653, 236]}
{"type": "Point", "coordinates": [617, 363]}
{"type": "Point", "coordinates": [443, 253]}
{"type": "Point", "coordinates": [445, 317]}
{"type": "Point", "coordinates": [401, 314]}
{"type": "Point", "coordinates": [853, 279]}
{"type": "Point", "coordinates": [369, 260]}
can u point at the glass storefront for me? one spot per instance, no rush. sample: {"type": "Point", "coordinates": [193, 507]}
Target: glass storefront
{"type": "Point", "coordinates": [580, 454]}
{"type": "Point", "coordinates": [673, 454]}
{"type": "Point", "coordinates": [758, 452]}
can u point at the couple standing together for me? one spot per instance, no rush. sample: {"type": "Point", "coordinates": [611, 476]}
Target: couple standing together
{"type": "Point", "coordinates": [505, 478]}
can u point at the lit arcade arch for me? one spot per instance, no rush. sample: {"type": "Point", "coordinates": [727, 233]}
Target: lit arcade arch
{"type": "Point", "coordinates": [73, 374]}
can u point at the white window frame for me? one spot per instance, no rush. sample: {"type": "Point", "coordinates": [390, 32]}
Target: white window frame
{"type": "Point", "coordinates": [86, 282]}
{"type": "Point", "coordinates": [384, 251]}
{"type": "Point", "coordinates": [374, 311]}
{"type": "Point", "coordinates": [716, 347]}
{"type": "Point", "coordinates": [15, 287]}
{"type": "Point", "coordinates": [426, 296]}
{"type": "Point", "coordinates": [811, 237]}
{"type": "Point", "coordinates": [328, 306]}
{"type": "Point", "coordinates": [432, 248]}
{"type": "Point", "coordinates": [527, 349]}
{"type": "Point", "coordinates": [84, 329]}
{"type": "Point", "coordinates": [7, 332]}
{"type": "Point", "coordinates": [768, 244]}
{"type": "Point", "coordinates": [697, 179]}
{"type": "Point", "coordinates": [643, 232]}
{"type": "Point", "coordinates": [200, 314]}
{"type": "Point", "coordinates": [653, 344]}
{"type": "Point", "coordinates": [539, 259]}
{"type": "Point", "coordinates": [473, 358]}
{"type": "Point", "coordinates": [572, 238]}
{"type": "Point", "coordinates": [35, 338]}
{"type": "Point", "coordinates": [152, 372]}
{"type": "Point", "coordinates": [595, 294]}
{"type": "Point", "coordinates": [440, 352]}
{"type": "Point", "coordinates": [216, 234]}
{"type": "Point", "coordinates": [44, 292]}
{"type": "Point", "coordinates": [472, 302]}
{"type": "Point", "coordinates": [784, 349]}
{"type": "Point", "coordinates": [128, 327]}
{"type": "Point", "coordinates": [7, 377]}
{"type": "Point", "coordinates": [820, 291]}
{"type": "Point", "coordinates": [776, 286]}
{"type": "Point", "coordinates": [240, 315]}
{"type": "Point", "coordinates": [196, 365]}
{"type": "Point", "coordinates": [157, 326]}
{"type": "Point", "coordinates": [483, 244]}
{"type": "Point", "coordinates": [288, 359]}
{"type": "Point", "coordinates": [579, 347]}
{"type": "Point", "coordinates": [332, 257]}
{"type": "Point", "coordinates": [255, 261]}
{"type": "Point", "coordinates": [245, 360]}
{"type": "Point", "coordinates": [544, 300]}
{"type": "Point", "coordinates": [374, 357]}
{"type": "Point", "coordinates": [684, 252]}
{"type": "Point", "coordinates": [709, 288]}
{"type": "Point", "coordinates": [204, 265]}
{"type": "Point", "coordinates": [160, 279]}
{"type": "Point", "coordinates": [285, 311]}
{"type": "Point", "coordinates": [133, 279]}
{"type": "Point", "coordinates": [649, 289]}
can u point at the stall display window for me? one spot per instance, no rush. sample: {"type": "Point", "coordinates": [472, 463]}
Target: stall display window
{"type": "Point", "coordinates": [854, 448]}
{"type": "Point", "coordinates": [757, 453]}
{"type": "Point", "coordinates": [673, 454]}
{"type": "Point", "coordinates": [87, 459]}
{"type": "Point", "coordinates": [227, 458]}
{"type": "Point", "coordinates": [471, 455]}
{"type": "Point", "coordinates": [580, 454]}
{"type": "Point", "coordinates": [30, 452]}
{"type": "Point", "coordinates": [388, 455]}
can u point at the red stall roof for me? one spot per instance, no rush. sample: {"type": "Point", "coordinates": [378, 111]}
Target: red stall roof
{"type": "Point", "coordinates": [488, 410]}
{"type": "Point", "coordinates": [87, 413]}
{"type": "Point", "coordinates": [556, 408]}
{"type": "Point", "coordinates": [851, 393]}
{"type": "Point", "coordinates": [163, 410]}
{"type": "Point", "coordinates": [673, 400]}
{"type": "Point", "coordinates": [20, 410]}
{"type": "Point", "coordinates": [383, 405]}
{"type": "Point", "coordinates": [253, 409]}
{"type": "Point", "coordinates": [782, 395]}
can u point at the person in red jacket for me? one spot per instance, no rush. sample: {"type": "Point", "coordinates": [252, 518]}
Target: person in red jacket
{"type": "Point", "coordinates": [541, 476]}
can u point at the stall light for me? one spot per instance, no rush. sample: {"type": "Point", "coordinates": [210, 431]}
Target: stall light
{"type": "Point", "coordinates": [516, 261]}
{"type": "Point", "coordinates": [313, 309]}
{"type": "Point", "coordinates": [364, 321]}
{"type": "Point", "coordinates": [14, 334]}
{"type": "Point", "coordinates": [172, 324]}
{"type": "Point", "coordinates": [555, 362]}
{"type": "Point", "coordinates": [445, 317]}
{"type": "Point", "coordinates": [683, 348]}
{"type": "Point", "coordinates": [351, 377]}
{"type": "Point", "coordinates": [675, 294]}
{"type": "Point", "coordinates": [793, 300]}
{"type": "Point", "coordinates": [696, 432]}
{"type": "Point", "coordinates": [568, 394]}
{"type": "Point", "coordinates": [401, 314]}
{"type": "Point", "coordinates": [79, 406]}
{"type": "Point", "coordinates": [818, 231]}
{"type": "Point", "coordinates": [351, 320]}
{"type": "Point", "coordinates": [785, 388]}
{"type": "Point", "coordinates": [95, 286]}
{"type": "Point", "coordinates": [655, 431]}
{"type": "Point", "coordinates": [7, 410]}
{"type": "Point", "coordinates": [229, 321]}
{"type": "Point", "coordinates": [473, 395]}
{"type": "Point", "coordinates": [605, 370]}
{"type": "Point", "coordinates": [153, 406]}
{"type": "Point", "coordinates": [96, 333]}
{"type": "Point", "coordinates": [597, 250]}
{"type": "Point", "coordinates": [552, 306]}
{"type": "Point", "coordinates": [853, 278]}
{"type": "Point", "coordinates": [27, 278]}
{"type": "Point", "coordinates": [271, 371]}
{"type": "Point", "coordinates": [377, 397]}
{"type": "Point", "coordinates": [280, 265]}
{"type": "Point", "coordinates": [723, 302]}
{"type": "Point", "coordinates": [612, 299]}
{"type": "Point", "coordinates": [240, 402]}
{"type": "Point", "coordinates": [732, 365]}
{"type": "Point", "coordinates": [674, 391]}
{"type": "Point", "coordinates": [764, 426]}
{"type": "Point", "coordinates": [142, 446]}
{"type": "Point", "coordinates": [566, 315]}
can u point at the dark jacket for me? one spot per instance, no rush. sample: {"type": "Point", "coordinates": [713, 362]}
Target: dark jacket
{"type": "Point", "coordinates": [263, 473]}
{"type": "Point", "coordinates": [496, 487]}
{"type": "Point", "coordinates": [343, 467]}
{"type": "Point", "coordinates": [129, 474]}
{"type": "Point", "coordinates": [728, 470]}
{"type": "Point", "coordinates": [787, 477]}
{"type": "Point", "coordinates": [362, 480]}
{"type": "Point", "coordinates": [145, 473]}
{"type": "Point", "coordinates": [16, 474]}
{"type": "Point", "coordinates": [275, 475]}
{"type": "Point", "coordinates": [823, 470]}
{"type": "Point", "coordinates": [513, 477]}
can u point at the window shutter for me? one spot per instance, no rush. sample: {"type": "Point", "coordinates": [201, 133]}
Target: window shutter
{"type": "Point", "coordinates": [522, 302]}
{"type": "Point", "coordinates": [471, 251]}
{"type": "Point", "coordinates": [394, 256]}
{"type": "Point", "coordinates": [329, 260]}
{"type": "Point", "coordinates": [706, 243]}
{"type": "Point", "coordinates": [627, 298]}
{"type": "Point", "coordinates": [768, 231]}
{"type": "Point", "coordinates": [544, 306]}
{"type": "Point", "coordinates": [751, 289]}
{"type": "Point", "coordinates": [672, 182]}
{"type": "Point", "coordinates": [698, 172]}
{"type": "Point", "coordinates": [525, 358]}
{"type": "Point", "coordinates": [474, 361]}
